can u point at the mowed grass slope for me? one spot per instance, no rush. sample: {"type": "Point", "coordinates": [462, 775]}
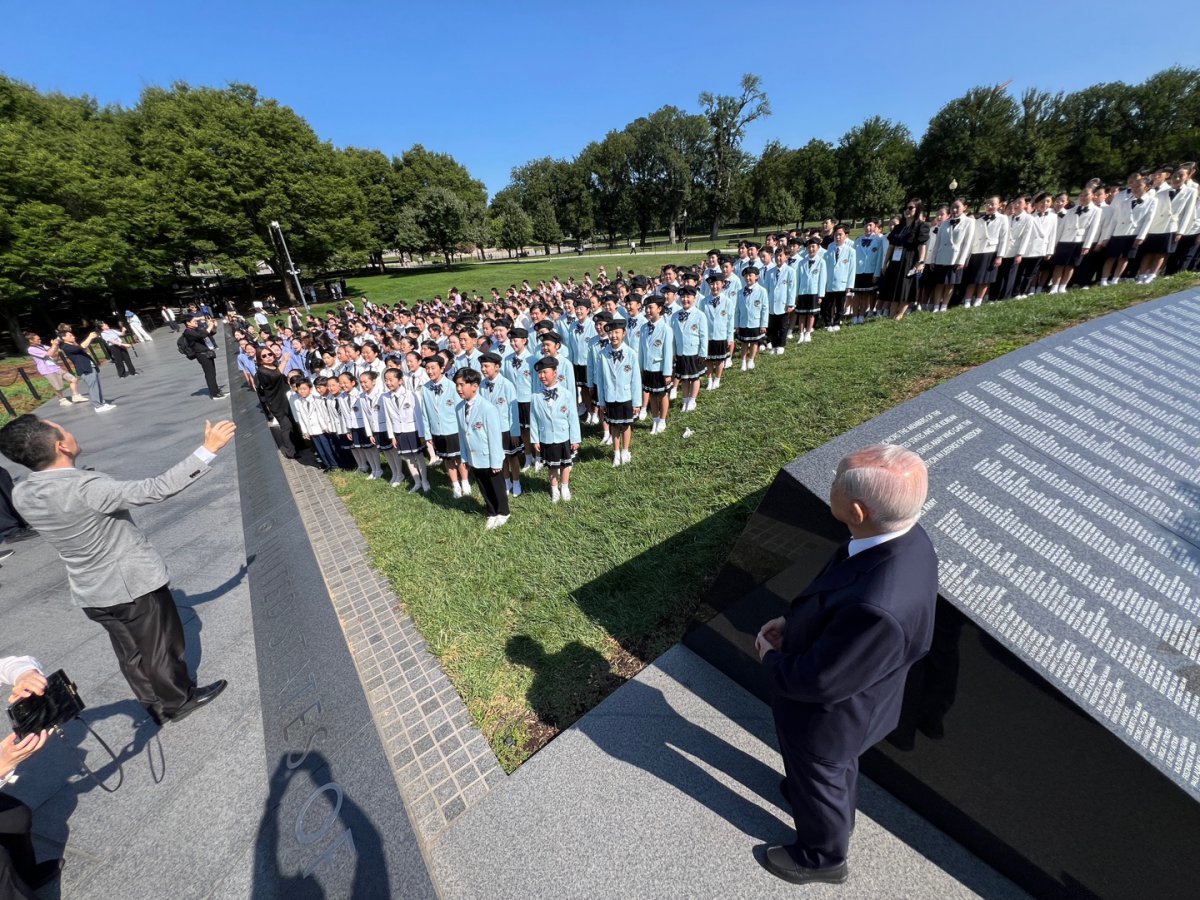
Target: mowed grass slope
{"type": "Point", "coordinates": [583, 594]}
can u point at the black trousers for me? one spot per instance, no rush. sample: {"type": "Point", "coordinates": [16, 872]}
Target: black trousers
{"type": "Point", "coordinates": [120, 357]}
{"type": "Point", "coordinates": [1006, 279]}
{"type": "Point", "coordinates": [824, 796]}
{"type": "Point", "coordinates": [10, 519]}
{"type": "Point", "coordinates": [209, 365]}
{"type": "Point", "coordinates": [777, 324]}
{"type": "Point", "coordinates": [831, 308]}
{"type": "Point", "coordinates": [16, 849]}
{"type": "Point", "coordinates": [1184, 257]}
{"type": "Point", "coordinates": [495, 497]}
{"type": "Point", "coordinates": [147, 637]}
{"type": "Point", "coordinates": [1028, 271]}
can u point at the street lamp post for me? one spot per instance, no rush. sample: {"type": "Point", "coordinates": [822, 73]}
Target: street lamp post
{"type": "Point", "coordinates": [291, 269]}
{"type": "Point", "coordinates": [685, 232]}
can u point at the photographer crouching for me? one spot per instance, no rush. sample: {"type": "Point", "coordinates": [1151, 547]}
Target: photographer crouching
{"type": "Point", "coordinates": [20, 873]}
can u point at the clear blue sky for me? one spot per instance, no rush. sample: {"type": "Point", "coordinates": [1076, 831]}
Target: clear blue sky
{"type": "Point", "coordinates": [499, 84]}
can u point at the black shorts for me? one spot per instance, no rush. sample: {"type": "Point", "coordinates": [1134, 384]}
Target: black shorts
{"type": "Point", "coordinates": [689, 368]}
{"type": "Point", "coordinates": [654, 382]}
{"type": "Point", "coordinates": [580, 374]}
{"type": "Point", "coordinates": [618, 412]}
{"type": "Point", "coordinates": [523, 413]}
{"type": "Point", "coordinates": [718, 350]}
{"type": "Point", "coordinates": [1159, 243]}
{"type": "Point", "coordinates": [558, 456]}
{"type": "Point", "coordinates": [512, 445]}
{"type": "Point", "coordinates": [750, 336]}
{"type": "Point", "coordinates": [1121, 247]}
{"type": "Point", "coordinates": [1067, 254]}
{"type": "Point", "coordinates": [447, 446]}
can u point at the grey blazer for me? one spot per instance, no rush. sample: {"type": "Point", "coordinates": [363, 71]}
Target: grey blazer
{"type": "Point", "coordinates": [85, 517]}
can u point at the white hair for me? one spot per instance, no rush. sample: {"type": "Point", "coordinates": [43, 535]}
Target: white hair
{"type": "Point", "coordinates": [891, 482]}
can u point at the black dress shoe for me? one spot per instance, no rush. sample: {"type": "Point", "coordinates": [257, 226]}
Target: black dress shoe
{"type": "Point", "coordinates": [780, 864]}
{"type": "Point", "coordinates": [200, 697]}
{"type": "Point", "coordinates": [45, 872]}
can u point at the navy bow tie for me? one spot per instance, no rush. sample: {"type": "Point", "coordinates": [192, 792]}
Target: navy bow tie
{"type": "Point", "coordinates": [618, 356]}
{"type": "Point", "coordinates": [682, 315]}
{"type": "Point", "coordinates": [1041, 214]}
{"type": "Point", "coordinates": [551, 394]}
{"type": "Point", "coordinates": [1138, 201]}
{"type": "Point", "coordinates": [953, 221]}
{"type": "Point", "coordinates": [1080, 210]}
{"type": "Point", "coordinates": [745, 290]}
{"type": "Point", "coordinates": [988, 217]}
{"type": "Point", "coordinates": [1017, 218]}
{"type": "Point", "coordinates": [436, 388]}
{"type": "Point", "coordinates": [866, 242]}
{"type": "Point", "coordinates": [491, 386]}
{"type": "Point", "coordinates": [578, 329]}
{"type": "Point", "coordinates": [1171, 193]}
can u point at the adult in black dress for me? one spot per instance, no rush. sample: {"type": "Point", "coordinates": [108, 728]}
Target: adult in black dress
{"type": "Point", "coordinates": [906, 253]}
{"type": "Point", "coordinates": [273, 388]}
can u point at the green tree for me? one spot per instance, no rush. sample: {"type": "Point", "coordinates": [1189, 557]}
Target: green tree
{"type": "Point", "coordinates": [607, 164]}
{"type": "Point", "coordinates": [544, 226]}
{"type": "Point", "coordinates": [1035, 156]}
{"type": "Point", "coordinates": [419, 169]}
{"type": "Point", "coordinates": [771, 191]}
{"type": "Point", "coordinates": [873, 164]}
{"type": "Point", "coordinates": [512, 228]}
{"type": "Point", "coordinates": [445, 218]}
{"type": "Point", "coordinates": [968, 142]}
{"type": "Point", "coordinates": [815, 170]}
{"type": "Point", "coordinates": [376, 178]}
{"type": "Point", "coordinates": [727, 118]}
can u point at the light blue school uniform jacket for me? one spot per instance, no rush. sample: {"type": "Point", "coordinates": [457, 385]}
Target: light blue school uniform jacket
{"type": "Point", "coordinates": [438, 399]}
{"type": "Point", "coordinates": [720, 310]}
{"type": "Point", "coordinates": [655, 347]}
{"type": "Point", "coordinates": [841, 263]}
{"type": "Point", "coordinates": [578, 339]}
{"type": "Point", "coordinates": [689, 330]}
{"type": "Point", "coordinates": [618, 376]}
{"type": "Point", "coordinates": [502, 395]}
{"type": "Point", "coordinates": [552, 415]}
{"type": "Point", "coordinates": [479, 431]}
{"type": "Point", "coordinates": [566, 375]}
{"type": "Point", "coordinates": [869, 253]}
{"type": "Point", "coordinates": [811, 276]}
{"type": "Point", "coordinates": [517, 369]}
{"type": "Point", "coordinates": [781, 288]}
{"type": "Point", "coordinates": [467, 361]}
{"type": "Point", "coordinates": [752, 307]}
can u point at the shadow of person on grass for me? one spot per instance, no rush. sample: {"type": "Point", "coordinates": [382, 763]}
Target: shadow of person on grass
{"type": "Point", "coordinates": [638, 726]}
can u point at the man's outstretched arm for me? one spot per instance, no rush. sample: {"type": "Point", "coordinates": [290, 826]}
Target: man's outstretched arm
{"type": "Point", "coordinates": [107, 495]}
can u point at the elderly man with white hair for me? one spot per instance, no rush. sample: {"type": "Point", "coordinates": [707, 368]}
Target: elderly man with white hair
{"type": "Point", "coordinates": [838, 660]}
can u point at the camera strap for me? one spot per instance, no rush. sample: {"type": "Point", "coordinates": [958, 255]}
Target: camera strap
{"type": "Point", "coordinates": [83, 764]}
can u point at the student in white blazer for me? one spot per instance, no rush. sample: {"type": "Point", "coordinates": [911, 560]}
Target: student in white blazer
{"type": "Point", "coordinates": [1077, 233]}
{"type": "Point", "coordinates": [1013, 253]}
{"type": "Point", "coordinates": [1187, 251]}
{"type": "Point", "coordinates": [1164, 229]}
{"type": "Point", "coordinates": [1132, 213]}
{"type": "Point", "coordinates": [989, 242]}
{"type": "Point", "coordinates": [950, 255]}
{"type": "Point", "coordinates": [1042, 238]}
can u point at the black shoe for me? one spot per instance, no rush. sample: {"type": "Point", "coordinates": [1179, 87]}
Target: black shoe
{"type": "Point", "coordinates": [45, 872]}
{"type": "Point", "coordinates": [780, 864]}
{"type": "Point", "coordinates": [200, 697]}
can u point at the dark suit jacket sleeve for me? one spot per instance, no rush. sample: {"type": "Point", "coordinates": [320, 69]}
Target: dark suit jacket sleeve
{"type": "Point", "coordinates": [861, 645]}
{"type": "Point", "coordinates": [107, 495]}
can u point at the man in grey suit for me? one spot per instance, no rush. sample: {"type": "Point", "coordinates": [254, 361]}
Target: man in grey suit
{"type": "Point", "coordinates": [115, 575]}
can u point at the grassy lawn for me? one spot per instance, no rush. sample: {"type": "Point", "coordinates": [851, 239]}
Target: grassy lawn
{"type": "Point", "coordinates": [588, 592]}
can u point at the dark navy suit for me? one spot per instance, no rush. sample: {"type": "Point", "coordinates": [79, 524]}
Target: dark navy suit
{"type": "Point", "coordinates": [849, 640]}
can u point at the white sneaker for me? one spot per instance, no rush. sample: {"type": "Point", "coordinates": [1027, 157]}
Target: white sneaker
{"type": "Point", "coordinates": [708, 387]}
{"type": "Point", "coordinates": [641, 416]}
{"type": "Point", "coordinates": [516, 489]}
{"type": "Point", "coordinates": [105, 407]}
{"type": "Point", "coordinates": [745, 366]}
{"type": "Point", "coordinates": [537, 465]}
{"type": "Point", "coordinates": [836, 328]}
{"type": "Point", "coordinates": [528, 464]}
{"type": "Point", "coordinates": [750, 365]}
{"type": "Point", "coordinates": [626, 456]}
{"type": "Point", "coordinates": [396, 484]}
{"type": "Point", "coordinates": [500, 520]}
{"type": "Point", "coordinates": [554, 493]}
{"type": "Point", "coordinates": [790, 332]}
{"type": "Point", "coordinates": [79, 398]}
{"type": "Point", "coordinates": [64, 402]}
{"type": "Point", "coordinates": [491, 522]}
{"type": "Point", "coordinates": [674, 393]}
{"type": "Point", "coordinates": [616, 459]}
{"type": "Point", "coordinates": [566, 492]}
{"type": "Point", "coordinates": [606, 439]}
{"type": "Point", "coordinates": [716, 384]}
{"type": "Point", "coordinates": [457, 489]}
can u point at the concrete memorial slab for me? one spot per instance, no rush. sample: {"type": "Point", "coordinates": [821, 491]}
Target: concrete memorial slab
{"type": "Point", "coordinates": [1053, 727]}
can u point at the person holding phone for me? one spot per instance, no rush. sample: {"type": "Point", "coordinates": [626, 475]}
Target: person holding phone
{"type": "Point", "coordinates": [20, 873]}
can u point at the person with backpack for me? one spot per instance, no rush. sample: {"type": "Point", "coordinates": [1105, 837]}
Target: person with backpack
{"type": "Point", "coordinates": [197, 343]}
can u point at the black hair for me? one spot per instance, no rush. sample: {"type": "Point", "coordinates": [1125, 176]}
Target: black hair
{"type": "Point", "coordinates": [468, 376]}
{"type": "Point", "coordinates": [30, 441]}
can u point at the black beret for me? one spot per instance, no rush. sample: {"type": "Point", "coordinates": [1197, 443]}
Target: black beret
{"type": "Point", "coordinates": [546, 362]}
{"type": "Point", "coordinates": [720, 276]}
{"type": "Point", "coordinates": [617, 322]}
{"type": "Point", "coordinates": [655, 299]}
{"type": "Point", "coordinates": [749, 269]}
{"type": "Point", "coordinates": [489, 358]}
{"type": "Point", "coordinates": [668, 288]}
{"type": "Point", "coordinates": [687, 291]}
{"type": "Point", "coordinates": [519, 332]}
{"type": "Point", "coordinates": [551, 335]}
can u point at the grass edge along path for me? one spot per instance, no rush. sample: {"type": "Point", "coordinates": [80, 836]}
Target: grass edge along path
{"type": "Point", "coordinates": [536, 622]}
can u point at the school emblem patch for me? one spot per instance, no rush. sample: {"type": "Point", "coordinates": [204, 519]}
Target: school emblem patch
{"type": "Point", "coordinates": [629, 368]}
{"type": "Point", "coordinates": [562, 409]}
{"type": "Point", "coordinates": [478, 426]}
{"type": "Point", "coordinates": [658, 343]}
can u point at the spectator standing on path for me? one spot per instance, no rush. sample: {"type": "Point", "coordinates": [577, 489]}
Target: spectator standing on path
{"type": "Point", "coordinates": [85, 367]}
{"type": "Point", "coordinates": [114, 346]}
{"type": "Point", "coordinates": [199, 337]}
{"type": "Point", "coordinates": [43, 358]}
{"type": "Point", "coordinates": [115, 575]}
{"type": "Point", "coordinates": [135, 325]}
{"type": "Point", "coordinates": [168, 315]}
